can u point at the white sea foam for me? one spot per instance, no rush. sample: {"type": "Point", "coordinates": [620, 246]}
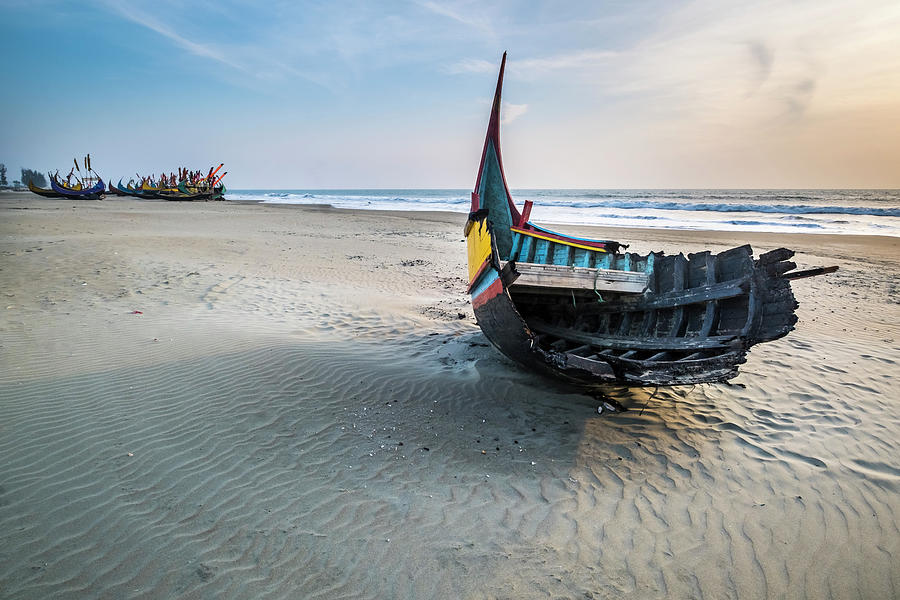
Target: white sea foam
{"type": "Point", "coordinates": [862, 212]}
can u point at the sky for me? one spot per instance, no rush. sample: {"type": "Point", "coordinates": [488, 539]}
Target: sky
{"type": "Point", "coordinates": [367, 94]}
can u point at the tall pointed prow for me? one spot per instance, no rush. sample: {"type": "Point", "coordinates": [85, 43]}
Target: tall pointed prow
{"type": "Point", "coordinates": [582, 310]}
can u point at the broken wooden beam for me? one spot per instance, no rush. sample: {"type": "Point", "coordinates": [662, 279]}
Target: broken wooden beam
{"type": "Point", "coordinates": [578, 278]}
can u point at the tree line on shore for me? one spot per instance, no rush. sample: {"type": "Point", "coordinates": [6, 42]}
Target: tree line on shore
{"type": "Point", "coordinates": [28, 176]}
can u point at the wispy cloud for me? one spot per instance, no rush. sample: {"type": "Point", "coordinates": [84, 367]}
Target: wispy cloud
{"type": "Point", "coordinates": [511, 112]}
{"type": "Point", "coordinates": [266, 57]}
{"type": "Point", "coordinates": [140, 17]}
{"type": "Point", "coordinates": [471, 65]}
{"type": "Point", "coordinates": [759, 64]}
{"type": "Point", "coordinates": [477, 22]}
{"type": "Point", "coordinates": [532, 68]}
{"type": "Point", "coordinates": [762, 57]}
{"type": "Point", "coordinates": [583, 59]}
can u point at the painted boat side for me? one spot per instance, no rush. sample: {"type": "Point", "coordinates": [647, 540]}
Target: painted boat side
{"type": "Point", "coordinates": [92, 193]}
{"type": "Point", "coordinates": [46, 193]}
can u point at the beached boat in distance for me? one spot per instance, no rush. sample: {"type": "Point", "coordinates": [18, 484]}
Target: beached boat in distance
{"type": "Point", "coordinates": [87, 186]}
{"type": "Point", "coordinates": [46, 193]}
{"type": "Point", "coordinates": [186, 185]}
{"type": "Point", "coordinates": [588, 312]}
{"type": "Point", "coordinates": [114, 190]}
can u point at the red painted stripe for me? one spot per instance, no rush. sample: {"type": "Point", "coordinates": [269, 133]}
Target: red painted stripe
{"type": "Point", "coordinates": [492, 291]}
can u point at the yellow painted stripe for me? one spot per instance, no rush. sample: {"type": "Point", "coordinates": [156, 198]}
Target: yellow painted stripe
{"type": "Point", "coordinates": [478, 246]}
{"type": "Point", "coordinates": [550, 239]}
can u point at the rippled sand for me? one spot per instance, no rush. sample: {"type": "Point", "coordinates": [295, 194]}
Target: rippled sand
{"type": "Point", "coordinates": [298, 410]}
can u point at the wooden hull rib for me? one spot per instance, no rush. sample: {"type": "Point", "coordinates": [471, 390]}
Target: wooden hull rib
{"type": "Point", "coordinates": [586, 312]}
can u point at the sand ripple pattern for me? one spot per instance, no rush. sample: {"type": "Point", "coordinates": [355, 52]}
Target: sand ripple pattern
{"type": "Point", "coordinates": [306, 470]}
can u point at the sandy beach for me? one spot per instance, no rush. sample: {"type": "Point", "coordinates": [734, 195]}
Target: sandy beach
{"type": "Point", "coordinates": [233, 400]}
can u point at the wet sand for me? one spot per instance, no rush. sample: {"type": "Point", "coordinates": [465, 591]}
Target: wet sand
{"type": "Point", "coordinates": [224, 400]}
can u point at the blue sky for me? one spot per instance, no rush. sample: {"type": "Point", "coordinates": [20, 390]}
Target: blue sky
{"type": "Point", "coordinates": [706, 93]}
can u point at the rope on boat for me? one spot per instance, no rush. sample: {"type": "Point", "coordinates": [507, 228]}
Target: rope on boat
{"type": "Point", "coordinates": [597, 276]}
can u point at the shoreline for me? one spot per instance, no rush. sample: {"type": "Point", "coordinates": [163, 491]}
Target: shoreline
{"type": "Point", "coordinates": [640, 233]}
{"type": "Point", "coordinates": [593, 231]}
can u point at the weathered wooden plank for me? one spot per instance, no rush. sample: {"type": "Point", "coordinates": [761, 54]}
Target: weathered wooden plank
{"type": "Point", "coordinates": [717, 291]}
{"type": "Point", "coordinates": [774, 256]}
{"type": "Point", "coordinates": [649, 321]}
{"type": "Point", "coordinates": [779, 269]}
{"type": "Point", "coordinates": [634, 343]}
{"type": "Point", "coordinates": [810, 272]}
{"type": "Point", "coordinates": [680, 277]}
{"type": "Point", "coordinates": [596, 367]}
{"type": "Point", "coordinates": [709, 316]}
{"type": "Point", "coordinates": [579, 278]}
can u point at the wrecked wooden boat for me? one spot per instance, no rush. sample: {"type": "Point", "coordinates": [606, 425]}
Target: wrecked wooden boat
{"type": "Point", "coordinates": [591, 313]}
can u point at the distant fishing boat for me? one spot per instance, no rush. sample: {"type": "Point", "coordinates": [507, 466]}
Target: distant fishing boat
{"type": "Point", "coordinates": [87, 186]}
{"type": "Point", "coordinates": [587, 312]}
{"type": "Point", "coordinates": [112, 189]}
{"type": "Point", "coordinates": [46, 193]}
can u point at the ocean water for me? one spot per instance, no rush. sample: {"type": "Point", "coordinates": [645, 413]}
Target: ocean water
{"type": "Point", "coordinates": [861, 212]}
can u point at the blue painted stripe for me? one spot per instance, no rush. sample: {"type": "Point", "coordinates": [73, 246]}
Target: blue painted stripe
{"type": "Point", "coordinates": [488, 276]}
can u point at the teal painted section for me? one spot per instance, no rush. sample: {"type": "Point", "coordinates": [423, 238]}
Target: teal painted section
{"type": "Point", "coordinates": [516, 246]}
{"type": "Point", "coordinates": [541, 251]}
{"type": "Point", "coordinates": [525, 255]}
{"type": "Point", "coordinates": [582, 257]}
{"type": "Point", "coordinates": [527, 249]}
{"type": "Point", "coordinates": [492, 195]}
{"type": "Point", "coordinates": [560, 254]}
